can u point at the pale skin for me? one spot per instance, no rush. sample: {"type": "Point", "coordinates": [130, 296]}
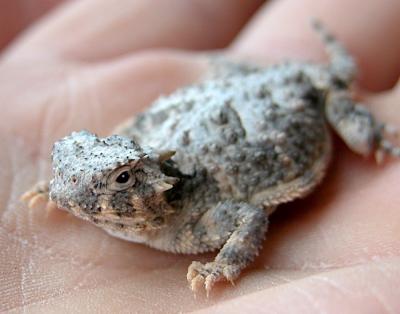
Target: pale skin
{"type": "Point", "coordinates": [336, 250]}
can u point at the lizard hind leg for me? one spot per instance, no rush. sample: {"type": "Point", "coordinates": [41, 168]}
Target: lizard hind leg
{"type": "Point", "coordinates": [358, 128]}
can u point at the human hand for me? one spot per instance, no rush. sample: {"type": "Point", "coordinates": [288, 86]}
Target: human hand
{"type": "Point", "coordinates": [93, 64]}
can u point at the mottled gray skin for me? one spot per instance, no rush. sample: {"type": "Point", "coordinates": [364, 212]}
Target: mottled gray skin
{"type": "Point", "coordinates": [203, 168]}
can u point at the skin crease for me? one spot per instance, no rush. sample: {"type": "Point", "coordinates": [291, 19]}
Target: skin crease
{"type": "Point", "coordinates": [336, 251]}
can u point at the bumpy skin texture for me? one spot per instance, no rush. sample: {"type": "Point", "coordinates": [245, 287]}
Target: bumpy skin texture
{"type": "Point", "coordinates": [202, 169]}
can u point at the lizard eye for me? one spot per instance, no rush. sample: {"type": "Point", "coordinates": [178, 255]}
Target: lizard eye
{"type": "Point", "coordinates": [121, 179]}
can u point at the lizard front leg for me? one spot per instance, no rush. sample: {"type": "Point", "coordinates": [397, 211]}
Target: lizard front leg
{"type": "Point", "coordinates": [38, 195]}
{"type": "Point", "coordinates": [239, 228]}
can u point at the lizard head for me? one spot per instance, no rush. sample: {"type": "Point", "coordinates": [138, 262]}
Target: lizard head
{"type": "Point", "coordinates": [112, 182]}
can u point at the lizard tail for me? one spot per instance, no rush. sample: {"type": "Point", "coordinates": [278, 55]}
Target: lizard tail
{"type": "Point", "coordinates": [341, 62]}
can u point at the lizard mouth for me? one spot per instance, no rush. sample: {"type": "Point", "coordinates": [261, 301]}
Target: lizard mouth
{"type": "Point", "coordinates": [116, 222]}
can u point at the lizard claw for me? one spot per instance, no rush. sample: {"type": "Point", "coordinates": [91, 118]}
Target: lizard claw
{"type": "Point", "coordinates": [204, 276]}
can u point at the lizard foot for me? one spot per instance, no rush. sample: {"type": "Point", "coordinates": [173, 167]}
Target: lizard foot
{"type": "Point", "coordinates": [38, 195]}
{"type": "Point", "coordinates": [206, 275]}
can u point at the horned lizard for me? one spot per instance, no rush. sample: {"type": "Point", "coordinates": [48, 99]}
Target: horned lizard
{"type": "Point", "coordinates": [202, 169]}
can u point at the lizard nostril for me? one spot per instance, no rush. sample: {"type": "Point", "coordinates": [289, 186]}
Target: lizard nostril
{"type": "Point", "coordinates": [74, 180]}
{"type": "Point", "coordinates": [158, 220]}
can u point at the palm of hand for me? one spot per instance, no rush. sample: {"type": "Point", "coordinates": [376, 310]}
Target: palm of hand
{"type": "Point", "coordinates": [338, 248]}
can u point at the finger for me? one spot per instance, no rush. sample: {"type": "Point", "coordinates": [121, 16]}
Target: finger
{"type": "Point", "coordinates": [369, 29]}
{"type": "Point", "coordinates": [97, 98]}
{"type": "Point", "coordinates": [132, 83]}
{"type": "Point", "coordinates": [98, 29]}
{"type": "Point", "coordinates": [385, 106]}
{"type": "Point", "coordinates": [16, 15]}
{"type": "Point", "coordinates": [365, 288]}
